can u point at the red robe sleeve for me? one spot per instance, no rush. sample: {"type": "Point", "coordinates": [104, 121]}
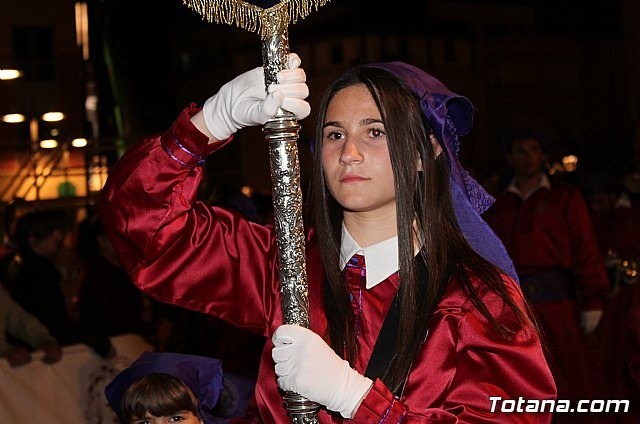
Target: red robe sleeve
{"type": "Point", "coordinates": [175, 247]}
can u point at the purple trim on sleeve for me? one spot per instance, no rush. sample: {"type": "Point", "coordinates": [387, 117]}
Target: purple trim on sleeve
{"type": "Point", "coordinates": [384, 417]}
{"type": "Point", "coordinates": [390, 408]}
{"type": "Point", "coordinates": [198, 157]}
{"type": "Point", "coordinates": [174, 149]}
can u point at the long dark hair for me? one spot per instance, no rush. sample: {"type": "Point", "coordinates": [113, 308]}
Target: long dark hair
{"type": "Point", "coordinates": [422, 198]}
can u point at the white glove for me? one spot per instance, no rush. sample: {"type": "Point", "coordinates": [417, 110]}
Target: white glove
{"type": "Point", "coordinates": [590, 320]}
{"type": "Point", "coordinates": [244, 101]}
{"type": "Point", "coordinates": [306, 365]}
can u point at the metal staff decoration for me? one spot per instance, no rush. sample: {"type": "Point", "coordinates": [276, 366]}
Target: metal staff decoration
{"type": "Point", "coordinates": [270, 19]}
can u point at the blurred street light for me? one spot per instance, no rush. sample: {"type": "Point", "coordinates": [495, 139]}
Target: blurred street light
{"type": "Point", "coordinates": [570, 163]}
{"type": "Point", "coordinates": [53, 116]}
{"type": "Point", "coordinates": [34, 125]}
{"type": "Point", "coordinates": [10, 74]}
{"type": "Point", "coordinates": [79, 142]}
{"type": "Point", "coordinates": [13, 118]}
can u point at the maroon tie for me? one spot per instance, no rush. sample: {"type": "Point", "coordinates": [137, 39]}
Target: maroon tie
{"type": "Point", "coordinates": [355, 272]}
{"type": "Point", "coordinates": [355, 276]}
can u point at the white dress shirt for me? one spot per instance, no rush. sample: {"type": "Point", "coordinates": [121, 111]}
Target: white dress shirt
{"type": "Point", "coordinates": [381, 259]}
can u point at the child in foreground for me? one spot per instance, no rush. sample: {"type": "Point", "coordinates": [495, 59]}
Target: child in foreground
{"type": "Point", "coordinates": [161, 388]}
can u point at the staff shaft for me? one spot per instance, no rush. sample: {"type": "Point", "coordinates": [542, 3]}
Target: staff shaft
{"type": "Point", "coordinates": [281, 132]}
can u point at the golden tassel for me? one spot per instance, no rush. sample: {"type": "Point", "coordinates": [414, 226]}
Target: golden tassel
{"type": "Point", "coordinates": [251, 17]}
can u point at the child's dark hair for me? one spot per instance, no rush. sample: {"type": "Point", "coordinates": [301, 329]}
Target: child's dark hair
{"type": "Point", "coordinates": [160, 395]}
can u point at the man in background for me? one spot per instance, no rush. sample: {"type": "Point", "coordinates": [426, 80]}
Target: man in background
{"type": "Point", "coordinates": [546, 227]}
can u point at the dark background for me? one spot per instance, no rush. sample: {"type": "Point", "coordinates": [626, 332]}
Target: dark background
{"type": "Point", "coordinates": [568, 68]}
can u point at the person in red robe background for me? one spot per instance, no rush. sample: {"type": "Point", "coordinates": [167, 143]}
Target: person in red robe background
{"type": "Point", "coordinates": [615, 209]}
{"type": "Point", "coordinates": [546, 228]}
{"type": "Point", "coordinates": [395, 216]}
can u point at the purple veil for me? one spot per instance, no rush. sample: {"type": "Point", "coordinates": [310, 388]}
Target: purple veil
{"type": "Point", "coordinates": [451, 116]}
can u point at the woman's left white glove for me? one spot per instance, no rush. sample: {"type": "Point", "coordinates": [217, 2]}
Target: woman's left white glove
{"type": "Point", "coordinates": [306, 365]}
{"type": "Point", "coordinates": [244, 101]}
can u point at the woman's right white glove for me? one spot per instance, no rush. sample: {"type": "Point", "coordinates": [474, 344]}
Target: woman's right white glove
{"type": "Point", "coordinates": [306, 365]}
{"type": "Point", "coordinates": [244, 101]}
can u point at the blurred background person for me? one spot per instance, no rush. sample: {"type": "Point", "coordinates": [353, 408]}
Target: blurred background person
{"type": "Point", "coordinates": [615, 207]}
{"type": "Point", "coordinates": [614, 203]}
{"type": "Point", "coordinates": [108, 303]}
{"type": "Point", "coordinates": [33, 279]}
{"type": "Point", "coordinates": [9, 246]}
{"type": "Point", "coordinates": [546, 228]}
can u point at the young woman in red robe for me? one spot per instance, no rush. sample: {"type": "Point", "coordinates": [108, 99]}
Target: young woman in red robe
{"type": "Point", "coordinates": [397, 242]}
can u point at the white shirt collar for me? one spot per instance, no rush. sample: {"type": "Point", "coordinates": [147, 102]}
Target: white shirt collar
{"type": "Point", "coordinates": [381, 259]}
{"type": "Point", "coordinates": [544, 183]}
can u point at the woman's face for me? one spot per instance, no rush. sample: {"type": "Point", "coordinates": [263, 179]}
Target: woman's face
{"type": "Point", "coordinates": [355, 154]}
{"type": "Point", "coordinates": [181, 417]}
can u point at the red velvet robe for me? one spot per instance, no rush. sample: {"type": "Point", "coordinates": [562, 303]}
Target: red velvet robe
{"type": "Point", "coordinates": [552, 229]}
{"type": "Point", "coordinates": [215, 261]}
{"type": "Point", "coordinates": [619, 334]}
